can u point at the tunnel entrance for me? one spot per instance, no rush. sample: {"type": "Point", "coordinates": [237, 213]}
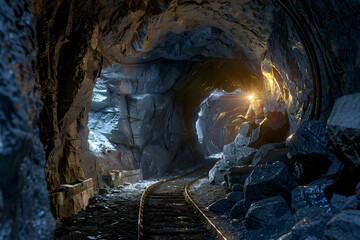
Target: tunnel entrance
{"type": "Point", "coordinates": [219, 119]}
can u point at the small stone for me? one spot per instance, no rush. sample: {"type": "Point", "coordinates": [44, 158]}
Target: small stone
{"type": "Point", "coordinates": [266, 212]}
{"type": "Point", "coordinates": [268, 181]}
{"type": "Point", "coordinates": [221, 206]}
{"type": "Point", "coordinates": [238, 210]}
{"type": "Point", "coordinates": [312, 195]}
{"type": "Point", "coordinates": [344, 226]}
{"type": "Point", "coordinates": [309, 138]}
{"type": "Point", "coordinates": [234, 197]}
{"type": "Point", "coordinates": [237, 175]}
{"type": "Point", "coordinates": [237, 188]}
{"type": "Point", "coordinates": [103, 191]}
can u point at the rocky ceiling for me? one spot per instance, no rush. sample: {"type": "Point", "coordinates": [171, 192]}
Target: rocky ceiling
{"type": "Point", "coordinates": [297, 50]}
{"type": "Point", "coordinates": [163, 43]}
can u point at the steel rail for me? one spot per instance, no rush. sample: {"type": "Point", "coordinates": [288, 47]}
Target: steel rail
{"type": "Point", "coordinates": [207, 222]}
{"type": "Point", "coordinates": [147, 191]}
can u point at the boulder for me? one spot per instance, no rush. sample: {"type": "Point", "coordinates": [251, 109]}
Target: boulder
{"type": "Point", "coordinates": [263, 150]}
{"type": "Point", "coordinates": [216, 174]}
{"type": "Point", "coordinates": [247, 128]}
{"type": "Point", "coordinates": [310, 167]}
{"type": "Point", "coordinates": [237, 175]}
{"type": "Point", "coordinates": [238, 210]}
{"type": "Point", "coordinates": [245, 161]}
{"type": "Point", "coordinates": [335, 168]}
{"type": "Point", "coordinates": [339, 203]}
{"type": "Point", "coordinates": [312, 195]}
{"type": "Point", "coordinates": [221, 206]}
{"type": "Point", "coordinates": [271, 153]}
{"type": "Point", "coordinates": [309, 138]}
{"type": "Point", "coordinates": [358, 191]}
{"type": "Point", "coordinates": [268, 181]}
{"type": "Point", "coordinates": [312, 222]}
{"type": "Point", "coordinates": [234, 197]}
{"type": "Point", "coordinates": [273, 129]}
{"type": "Point", "coordinates": [267, 212]}
{"type": "Point", "coordinates": [344, 226]}
{"type": "Point", "coordinates": [232, 152]}
{"type": "Point", "coordinates": [343, 128]}
{"type": "Point", "coordinates": [237, 188]}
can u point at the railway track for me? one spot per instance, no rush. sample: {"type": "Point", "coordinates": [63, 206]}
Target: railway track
{"type": "Point", "coordinates": [167, 211]}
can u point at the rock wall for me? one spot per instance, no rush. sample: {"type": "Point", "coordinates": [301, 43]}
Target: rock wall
{"type": "Point", "coordinates": [24, 200]}
{"type": "Point", "coordinates": [68, 65]}
{"type": "Point", "coordinates": [133, 114]}
{"type": "Point", "coordinates": [78, 40]}
{"type": "Point", "coordinates": [311, 61]}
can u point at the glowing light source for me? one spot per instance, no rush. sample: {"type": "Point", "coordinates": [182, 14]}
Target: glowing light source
{"type": "Point", "coordinates": [251, 97]}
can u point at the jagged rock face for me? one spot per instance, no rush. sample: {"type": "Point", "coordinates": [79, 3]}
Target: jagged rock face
{"type": "Point", "coordinates": [24, 201]}
{"type": "Point", "coordinates": [343, 128]}
{"type": "Point", "coordinates": [77, 40]}
{"type": "Point", "coordinates": [67, 66]}
{"type": "Point", "coordinates": [133, 112]}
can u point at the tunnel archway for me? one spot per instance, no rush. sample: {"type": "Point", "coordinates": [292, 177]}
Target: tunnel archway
{"type": "Point", "coordinates": [77, 39]}
{"type": "Point", "coordinates": [270, 49]}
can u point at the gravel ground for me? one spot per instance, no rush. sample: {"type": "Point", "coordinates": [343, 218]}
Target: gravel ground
{"type": "Point", "coordinates": [113, 215]}
{"type": "Point", "coordinates": [204, 194]}
{"type": "Point", "coordinates": [110, 216]}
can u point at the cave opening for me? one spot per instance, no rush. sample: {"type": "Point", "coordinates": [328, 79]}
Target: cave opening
{"type": "Point", "coordinates": [88, 87]}
{"type": "Point", "coordinates": [219, 120]}
{"type": "Point", "coordinates": [144, 116]}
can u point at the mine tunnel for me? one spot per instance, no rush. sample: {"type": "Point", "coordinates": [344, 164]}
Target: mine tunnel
{"type": "Point", "coordinates": [179, 119]}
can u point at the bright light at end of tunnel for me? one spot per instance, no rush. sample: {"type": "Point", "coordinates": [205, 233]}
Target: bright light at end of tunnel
{"type": "Point", "coordinates": [251, 97]}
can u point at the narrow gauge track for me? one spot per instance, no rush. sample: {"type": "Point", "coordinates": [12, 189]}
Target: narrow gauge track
{"type": "Point", "coordinates": [164, 211]}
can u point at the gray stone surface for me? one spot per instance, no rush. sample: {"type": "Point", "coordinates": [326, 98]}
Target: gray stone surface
{"type": "Point", "coordinates": [236, 151]}
{"type": "Point", "coordinates": [237, 175]}
{"type": "Point", "coordinates": [335, 168]}
{"type": "Point", "coordinates": [344, 226]}
{"type": "Point", "coordinates": [268, 181]}
{"type": "Point", "coordinates": [238, 210]}
{"type": "Point", "coordinates": [217, 173]}
{"type": "Point", "coordinates": [263, 150]}
{"type": "Point", "coordinates": [24, 200]}
{"type": "Point", "coordinates": [309, 138]}
{"type": "Point", "coordinates": [311, 222]}
{"type": "Point", "coordinates": [267, 212]}
{"type": "Point", "coordinates": [339, 203]}
{"type": "Point", "coordinates": [343, 127]}
{"type": "Point", "coordinates": [273, 129]}
{"type": "Point", "coordinates": [222, 206]}
{"type": "Point", "coordinates": [237, 188]}
{"type": "Point", "coordinates": [234, 197]}
{"type": "Point", "coordinates": [311, 195]}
